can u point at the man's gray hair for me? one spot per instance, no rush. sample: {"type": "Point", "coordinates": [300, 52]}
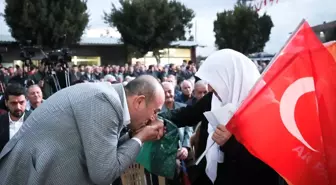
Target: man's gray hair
{"type": "Point", "coordinates": [201, 83]}
{"type": "Point", "coordinates": [32, 86]}
{"type": "Point", "coordinates": [171, 76]}
{"type": "Point", "coordinates": [168, 83]}
{"type": "Point", "coordinates": [143, 85]}
{"type": "Point", "coordinates": [186, 81]}
{"type": "Point", "coordinates": [109, 78]}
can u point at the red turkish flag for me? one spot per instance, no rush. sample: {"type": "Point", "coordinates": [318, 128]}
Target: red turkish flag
{"type": "Point", "coordinates": [289, 119]}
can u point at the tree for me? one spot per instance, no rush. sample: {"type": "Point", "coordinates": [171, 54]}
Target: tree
{"type": "Point", "coordinates": [150, 25]}
{"type": "Point", "coordinates": [242, 29]}
{"type": "Point", "coordinates": [48, 23]}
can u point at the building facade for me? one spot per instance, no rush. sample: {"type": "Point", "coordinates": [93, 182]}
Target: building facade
{"type": "Point", "coordinates": [175, 54]}
{"type": "Point", "coordinates": [101, 51]}
{"type": "Point", "coordinates": [326, 31]}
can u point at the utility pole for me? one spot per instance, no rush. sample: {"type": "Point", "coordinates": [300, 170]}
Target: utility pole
{"type": "Point", "coordinates": [195, 38]}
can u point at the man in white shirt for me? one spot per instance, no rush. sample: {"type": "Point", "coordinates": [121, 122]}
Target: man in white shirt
{"type": "Point", "coordinates": [11, 122]}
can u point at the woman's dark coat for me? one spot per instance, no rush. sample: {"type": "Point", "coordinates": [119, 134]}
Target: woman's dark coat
{"type": "Point", "coordinates": [239, 167]}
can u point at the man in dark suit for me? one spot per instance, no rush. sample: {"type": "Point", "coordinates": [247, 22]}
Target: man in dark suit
{"type": "Point", "coordinates": [10, 123]}
{"type": "Point", "coordinates": [75, 75]}
{"type": "Point", "coordinates": [88, 75]}
{"type": "Point", "coordinates": [187, 89]}
{"type": "Point", "coordinates": [19, 78]}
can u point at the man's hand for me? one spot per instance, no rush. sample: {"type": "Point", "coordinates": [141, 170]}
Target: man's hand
{"type": "Point", "coordinates": [162, 128]}
{"type": "Point", "coordinates": [153, 131]}
{"type": "Point", "coordinates": [221, 135]}
{"type": "Point", "coordinates": [182, 153]}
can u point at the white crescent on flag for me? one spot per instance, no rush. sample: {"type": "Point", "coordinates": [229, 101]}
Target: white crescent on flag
{"type": "Point", "coordinates": [288, 103]}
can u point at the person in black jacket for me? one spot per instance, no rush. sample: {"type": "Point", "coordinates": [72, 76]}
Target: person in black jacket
{"type": "Point", "coordinates": [230, 75]}
{"type": "Point", "coordinates": [15, 104]}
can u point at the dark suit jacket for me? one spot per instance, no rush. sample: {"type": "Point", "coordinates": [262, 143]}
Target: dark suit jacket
{"type": "Point", "coordinates": [75, 76]}
{"type": "Point", "coordinates": [18, 79]}
{"type": "Point", "coordinates": [87, 77]}
{"type": "Point", "coordinates": [4, 128]}
{"type": "Point", "coordinates": [239, 167]}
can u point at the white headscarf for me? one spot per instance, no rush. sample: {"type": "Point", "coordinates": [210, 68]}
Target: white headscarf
{"type": "Point", "coordinates": [232, 75]}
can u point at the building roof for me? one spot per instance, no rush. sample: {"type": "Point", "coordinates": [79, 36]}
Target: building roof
{"type": "Point", "coordinates": [100, 41]}
{"type": "Point", "coordinates": [325, 26]}
{"type": "Point", "coordinates": [261, 55]}
{"type": "Point", "coordinates": [104, 41]}
{"type": "Point", "coordinates": [184, 43]}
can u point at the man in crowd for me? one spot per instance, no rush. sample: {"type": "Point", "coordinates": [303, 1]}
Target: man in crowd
{"type": "Point", "coordinates": [89, 75]}
{"type": "Point", "coordinates": [172, 79]}
{"type": "Point", "coordinates": [41, 79]}
{"type": "Point", "coordinates": [73, 138]}
{"type": "Point", "coordinates": [201, 89]}
{"type": "Point", "coordinates": [75, 75]}
{"type": "Point", "coordinates": [11, 122]}
{"type": "Point", "coordinates": [35, 97]}
{"type": "Point", "coordinates": [187, 89]}
{"type": "Point", "coordinates": [184, 132]}
{"type": "Point", "coordinates": [19, 77]}
{"type": "Point", "coordinates": [110, 78]}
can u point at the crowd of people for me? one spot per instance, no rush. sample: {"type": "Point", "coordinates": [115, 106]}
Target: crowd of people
{"type": "Point", "coordinates": [28, 75]}
{"type": "Point", "coordinates": [25, 89]}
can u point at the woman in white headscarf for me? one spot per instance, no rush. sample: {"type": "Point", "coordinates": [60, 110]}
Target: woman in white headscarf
{"type": "Point", "coordinates": [231, 75]}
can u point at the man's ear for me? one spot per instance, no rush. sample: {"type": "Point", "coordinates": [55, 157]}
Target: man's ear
{"type": "Point", "coordinates": [6, 103]}
{"type": "Point", "coordinates": [139, 102]}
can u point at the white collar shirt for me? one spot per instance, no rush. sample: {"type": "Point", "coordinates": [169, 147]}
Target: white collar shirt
{"type": "Point", "coordinates": [14, 126]}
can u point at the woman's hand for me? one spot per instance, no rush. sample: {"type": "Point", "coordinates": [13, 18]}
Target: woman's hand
{"type": "Point", "coordinates": [182, 153]}
{"type": "Point", "coordinates": [221, 135]}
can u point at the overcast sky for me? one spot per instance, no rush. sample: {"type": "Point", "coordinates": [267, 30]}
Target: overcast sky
{"type": "Point", "coordinates": [286, 15]}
